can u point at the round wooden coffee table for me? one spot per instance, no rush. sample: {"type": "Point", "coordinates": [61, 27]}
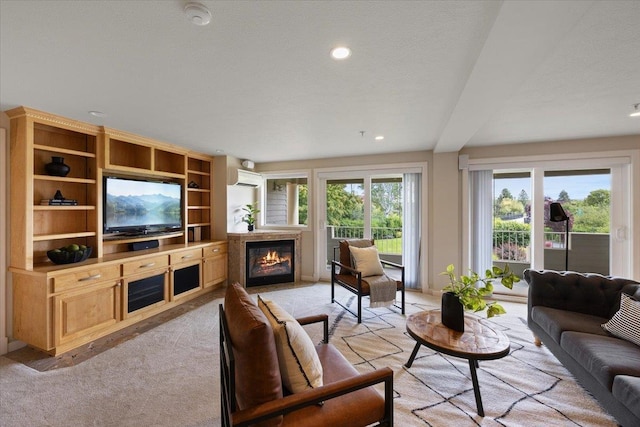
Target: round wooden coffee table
{"type": "Point", "coordinates": [477, 342]}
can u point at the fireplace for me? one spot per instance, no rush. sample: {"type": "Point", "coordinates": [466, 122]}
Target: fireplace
{"type": "Point", "coordinates": [269, 262]}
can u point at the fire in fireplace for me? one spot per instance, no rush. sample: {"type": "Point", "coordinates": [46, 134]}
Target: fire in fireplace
{"type": "Point", "coordinates": [270, 262]}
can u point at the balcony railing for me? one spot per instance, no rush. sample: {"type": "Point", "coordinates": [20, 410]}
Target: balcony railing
{"type": "Point", "coordinates": [388, 239]}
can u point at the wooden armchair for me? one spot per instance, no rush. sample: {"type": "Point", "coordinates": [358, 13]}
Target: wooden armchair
{"type": "Point", "coordinates": [252, 391]}
{"type": "Point", "coordinates": [345, 275]}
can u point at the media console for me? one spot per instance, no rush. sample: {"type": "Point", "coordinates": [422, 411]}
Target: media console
{"type": "Point", "coordinates": [59, 307]}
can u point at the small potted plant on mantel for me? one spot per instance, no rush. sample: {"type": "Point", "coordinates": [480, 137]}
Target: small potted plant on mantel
{"type": "Point", "coordinates": [251, 215]}
{"type": "Point", "coordinates": [469, 292]}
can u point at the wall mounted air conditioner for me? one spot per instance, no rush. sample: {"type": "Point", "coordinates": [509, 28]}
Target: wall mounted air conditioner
{"type": "Point", "coordinates": [244, 177]}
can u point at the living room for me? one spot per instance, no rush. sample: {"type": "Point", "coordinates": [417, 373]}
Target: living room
{"type": "Point", "coordinates": [453, 88]}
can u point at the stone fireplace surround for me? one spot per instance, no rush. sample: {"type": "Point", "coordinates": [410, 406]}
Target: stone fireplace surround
{"type": "Point", "coordinates": [238, 254]}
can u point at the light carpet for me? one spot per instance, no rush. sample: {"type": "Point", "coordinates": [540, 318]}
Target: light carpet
{"type": "Point", "coordinates": [169, 375]}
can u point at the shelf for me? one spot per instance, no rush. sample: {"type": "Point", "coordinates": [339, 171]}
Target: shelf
{"type": "Point", "coordinates": [199, 190]}
{"type": "Point", "coordinates": [198, 207]}
{"type": "Point", "coordinates": [64, 179]}
{"type": "Point", "coordinates": [108, 241]}
{"type": "Point", "coordinates": [45, 237]}
{"type": "Point", "coordinates": [63, 150]}
{"type": "Point", "coordinates": [63, 208]}
{"type": "Point", "coordinates": [199, 224]}
{"type": "Point", "coordinates": [198, 173]}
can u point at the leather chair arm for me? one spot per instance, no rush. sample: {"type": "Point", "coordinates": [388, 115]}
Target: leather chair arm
{"type": "Point", "coordinates": [391, 264]}
{"type": "Point", "coordinates": [315, 396]}
{"type": "Point", "coordinates": [308, 320]}
{"type": "Point", "coordinates": [355, 272]}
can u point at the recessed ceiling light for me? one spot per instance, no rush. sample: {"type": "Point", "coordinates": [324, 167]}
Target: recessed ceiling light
{"type": "Point", "coordinates": [197, 14]}
{"type": "Point", "coordinates": [636, 112]}
{"type": "Point", "coordinates": [97, 114]}
{"type": "Point", "coordinates": [379, 138]}
{"type": "Point", "coordinates": [340, 52]}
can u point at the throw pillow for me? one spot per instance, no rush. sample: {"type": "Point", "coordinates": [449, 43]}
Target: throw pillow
{"type": "Point", "coordinates": [625, 323]}
{"type": "Point", "coordinates": [367, 261]}
{"type": "Point", "coordinates": [300, 365]}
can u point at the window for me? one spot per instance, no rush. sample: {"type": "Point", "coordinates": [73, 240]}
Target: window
{"type": "Point", "coordinates": [286, 200]}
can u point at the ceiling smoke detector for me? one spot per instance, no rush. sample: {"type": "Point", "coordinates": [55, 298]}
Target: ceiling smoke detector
{"type": "Point", "coordinates": [197, 14]}
{"type": "Point", "coordinates": [636, 111]}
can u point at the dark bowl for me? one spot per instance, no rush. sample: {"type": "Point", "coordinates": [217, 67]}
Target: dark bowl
{"type": "Point", "coordinates": [66, 257]}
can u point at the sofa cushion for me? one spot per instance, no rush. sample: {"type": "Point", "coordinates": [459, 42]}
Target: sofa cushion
{"type": "Point", "coordinates": [367, 261]}
{"type": "Point", "coordinates": [625, 323]}
{"type": "Point", "coordinates": [587, 293]}
{"type": "Point", "coordinates": [254, 349]}
{"type": "Point", "coordinates": [556, 321]}
{"type": "Point", "coordinates": [299, 363]}
{"type": "Point", "coordinates": [603, 356]}
{"type": "Point", "coordinates": [627, 390]}
{"type": "Point", "coordinates": [362, 407]}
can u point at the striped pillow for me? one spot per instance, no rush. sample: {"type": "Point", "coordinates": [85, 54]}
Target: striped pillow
{"type": "Point", "coordinates": [626, 322]}
{"type": "Point", "coordinates": [300, 365]}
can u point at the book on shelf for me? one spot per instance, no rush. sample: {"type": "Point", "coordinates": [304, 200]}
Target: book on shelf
{"type": "Point", "coordinates": [59, 202]}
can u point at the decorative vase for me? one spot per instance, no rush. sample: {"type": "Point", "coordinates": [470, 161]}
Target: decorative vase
{"type": "Point", "coordinates": [57, 167]}
{"type": "Point", "coordinates": [452, 312]}
{"type": "Point", "coordinates": [250, 227]}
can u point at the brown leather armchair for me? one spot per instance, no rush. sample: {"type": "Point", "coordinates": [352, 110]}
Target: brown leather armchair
{"type": "Point", "coordinates": [343, 274]}
{"type": "Point", "coordinates": [251, 387]}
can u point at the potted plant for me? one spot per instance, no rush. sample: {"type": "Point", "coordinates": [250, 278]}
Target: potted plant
{"type": "Point", "coordinates": [251, 215]}
{"type": "Point", "coordinates": [469, 292]}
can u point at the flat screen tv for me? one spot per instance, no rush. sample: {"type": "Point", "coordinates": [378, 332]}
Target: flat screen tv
{"type": "Point", "coordinates": [141, 206]}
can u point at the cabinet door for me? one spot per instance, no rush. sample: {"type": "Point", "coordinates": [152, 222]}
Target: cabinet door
{"type": "Point", "coordinates": [80, 313]}
{"type": "Point", "coordinates": [214, 270]}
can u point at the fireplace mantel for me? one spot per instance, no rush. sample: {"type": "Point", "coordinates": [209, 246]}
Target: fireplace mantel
{"type": "Point", "coordinates": [237, 250]}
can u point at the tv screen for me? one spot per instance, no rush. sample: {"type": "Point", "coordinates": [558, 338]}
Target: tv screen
{"type": "Point", "coordinates": [140, 206]}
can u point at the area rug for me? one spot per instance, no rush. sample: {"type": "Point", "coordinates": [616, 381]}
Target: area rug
{"type": "Point", "coordinates": [169, 375]}
{"type": "Point", "coordinates": [529, 387]}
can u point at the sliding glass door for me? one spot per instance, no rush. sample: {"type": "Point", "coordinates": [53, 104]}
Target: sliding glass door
{"type": "Point", "coordinates": [558, 219]}
{"type": "Point", "coordinates": [383, 206]}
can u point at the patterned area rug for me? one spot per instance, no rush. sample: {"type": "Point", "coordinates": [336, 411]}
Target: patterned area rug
{"type": "Point", "coordinates": [529, 387]}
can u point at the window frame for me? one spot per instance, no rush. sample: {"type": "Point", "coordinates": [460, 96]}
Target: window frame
{"type": "Point", "coordinates": [291, 174]}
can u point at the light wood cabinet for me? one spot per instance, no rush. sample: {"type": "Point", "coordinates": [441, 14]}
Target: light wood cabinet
{"type": "Point", "coordinates": [60, 307]}
{"type": "Point", "coordinates": [214, 264]}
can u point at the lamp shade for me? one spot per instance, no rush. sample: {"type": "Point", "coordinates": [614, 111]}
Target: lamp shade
{"type": "Point", "coordinates": [556, 213]}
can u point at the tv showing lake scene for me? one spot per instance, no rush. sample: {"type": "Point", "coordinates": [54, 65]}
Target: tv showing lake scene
{"type": "Point", "coordinates": [136, 205]}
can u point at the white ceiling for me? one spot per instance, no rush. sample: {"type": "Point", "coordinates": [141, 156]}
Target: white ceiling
{"type": "Point", "coordinates": [258, 81]}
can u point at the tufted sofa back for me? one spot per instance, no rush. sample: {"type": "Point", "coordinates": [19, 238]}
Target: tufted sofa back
{"type": "Point", "coordinates": [587, 293]}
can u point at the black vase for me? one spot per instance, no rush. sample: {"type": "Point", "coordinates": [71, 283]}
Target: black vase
{"type": "Point", "coordinates": [250, 227]}
{"type": "Point", "coordinates": [452, 312]}
{"type": "Point", "coordinates": [57, 167]}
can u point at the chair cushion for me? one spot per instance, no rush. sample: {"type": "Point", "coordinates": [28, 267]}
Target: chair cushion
{"type": "Point", "coordinates": [360, 408]}
{"type": "Point", "coordinates": [351, 282]}
{"type": "Point", "coordinates": [367, 261]}
{"type": "Point", "coordinates": [345, 253]}
{"type": "Point", "coordinates": [299, 363]}
{"type": "Point", "coordinates": [257, 370]}
{"type": "Point", "coordinates": [625, 323]}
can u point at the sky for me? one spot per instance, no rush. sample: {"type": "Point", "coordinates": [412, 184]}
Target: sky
{"type": "Point", "coordinates": [578, 187]}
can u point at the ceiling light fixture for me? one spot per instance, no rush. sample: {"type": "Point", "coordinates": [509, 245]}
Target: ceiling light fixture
{"type": "Point", "coordinates": [636, 111]}
{"type": "Point", "coordinates": [97, 114]}
{"type": "Point", "coordinates": [340, 52]}
{"type": "Point", "coordinates": [197, 14]}
{"type": "Point", "coordinates": [379, 138]}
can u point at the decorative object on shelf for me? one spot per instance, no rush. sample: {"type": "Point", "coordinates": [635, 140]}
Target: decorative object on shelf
{"type": "Point", "coordinates": [58, 195]}
{"type": "Point", "coordinates": [58, 200]}
{"type": "Point", "coordinates": [69, 254]}
{"type": "Point", "coordinates": [57, 167]}
{"type": "Point", "coordinates": [250, 217]}
{"type": "Point", "coordinates": [470, 291]}
{"type": "Point", "coordinates": [193, 184]}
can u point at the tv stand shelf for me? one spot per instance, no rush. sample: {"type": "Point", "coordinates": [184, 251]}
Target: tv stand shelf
{"type": "Point", "coordinates": [59, 307]}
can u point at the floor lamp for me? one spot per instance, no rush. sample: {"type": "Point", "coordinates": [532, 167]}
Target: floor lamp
{"type": "Point", "coordinates": [557, 214]}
